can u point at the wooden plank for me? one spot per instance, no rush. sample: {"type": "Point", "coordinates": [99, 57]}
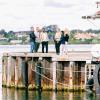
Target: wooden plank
{"type": "Point", "coordinates": [71, 56]}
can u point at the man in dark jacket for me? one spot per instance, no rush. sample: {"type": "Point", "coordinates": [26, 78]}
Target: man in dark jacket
{"type": "Point", "coordinates": [32, 40]}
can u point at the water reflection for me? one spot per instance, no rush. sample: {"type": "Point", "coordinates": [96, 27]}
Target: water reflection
{"type": "Point", "coordinates": [12, 94]}
{"type": "Point", "coordinates": [54, 96]}
{"type": "Point", "coordinates": [38, 95]}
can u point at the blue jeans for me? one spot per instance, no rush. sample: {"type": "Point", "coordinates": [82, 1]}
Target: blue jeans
{"type": "Point", "coordinates": [32, 49]}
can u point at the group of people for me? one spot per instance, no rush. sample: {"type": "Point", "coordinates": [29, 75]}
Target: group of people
{"type": "Point", "coordinates": [61, 40]}
{"type": "Point", "coordinates": [38, 36]}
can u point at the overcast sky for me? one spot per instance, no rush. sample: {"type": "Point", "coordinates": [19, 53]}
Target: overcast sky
{"type": "Point", "coordinates": [21, 14]}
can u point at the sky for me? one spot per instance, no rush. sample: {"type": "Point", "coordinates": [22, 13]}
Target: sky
{"type": "Point", "coordinates": [19, 15]}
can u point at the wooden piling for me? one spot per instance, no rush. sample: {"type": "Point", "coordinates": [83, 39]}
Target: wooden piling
{"type": "Point", "coordinates": [11, 72]}
{"type": "Point", "coordinates": [54, 76]}
{"type": "Point", "coordinates": [60, 75]}
{"type": "Point", "coordinates": [25, 72]}
{"type": "Point", "coordinates": [66, 73]}
{"type": "Point", "coordinates": [4, 70]}
{"type": "Point", "coordinates": [38, 75]}
{"type": "Point", "coordinates": [46, 65]}
{"type": "Point", "coordinates": [21, 78]}
{"type": "Point", "coordinates": [78, 75]}
{"type": "Point", "coordinates": [31, 73]}
{"type": "Point", "coordinates": [87, 76]}
{"type": "Point", "coordinates": [17, 72]}
{"type": "Point", "coordinates": [8, 71]}
{"type": "Point", "coordinates": [71, 75]}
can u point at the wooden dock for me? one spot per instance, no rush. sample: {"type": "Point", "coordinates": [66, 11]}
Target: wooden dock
{"type": "Point", "coordinates": [47, 71]}
{"type": "Point", "coordinates": [70, 56]}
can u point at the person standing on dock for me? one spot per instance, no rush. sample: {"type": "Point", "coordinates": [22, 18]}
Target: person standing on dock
{"type": "Point", "coordinates": [57, 39]}
{"type": "Point", "coordinates": [66, 35]}
{"type": "Point", "coordinates": [62, 46]}
{"type": "Point", "coordinates": [37, 34]}
{"type": "Point", "coordinates": [44, 40]}
{"type": "Point", "coordinates": [64, 42]}
{"type": "Point", "coordinates": [32, 40]}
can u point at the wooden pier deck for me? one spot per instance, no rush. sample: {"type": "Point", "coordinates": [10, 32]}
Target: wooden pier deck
{"type": "Point", "coordinates": [47, 71]}
{"type": "Point", "coordinates": [70, 56]}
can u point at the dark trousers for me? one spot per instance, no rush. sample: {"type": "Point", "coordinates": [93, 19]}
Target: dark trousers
{"type": "Point", "coordinates": [57, 46]}
{"type": "Point", "coordinates": [45, 45]}
{"type": "Point", "coordinates": [37, 44]}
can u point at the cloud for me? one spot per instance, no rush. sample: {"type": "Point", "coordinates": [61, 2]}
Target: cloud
{"type": "Point", "coordinates": [21, 14]}
{"type": "Point", "coordinates": [52, 3]}
{"type": "Point", "coordinates": [3, 3]}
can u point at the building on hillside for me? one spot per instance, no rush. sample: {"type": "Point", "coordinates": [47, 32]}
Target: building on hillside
{"type": "Point", "coordinates": [16, 41]}
{"type": "Point", "coordinates": [20, 34]}
{"type": "Point", "coordinates": [85, 35]}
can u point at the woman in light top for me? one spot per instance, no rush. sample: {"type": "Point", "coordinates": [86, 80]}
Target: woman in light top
{"type": "Point", "coordinates": [64, 42]}
{"type": "Point", "coordinates": [44, 40]}
{"type": "Point", "coordinates": [37, 42]}
{"type": "Point", "coordinates": [57, 39]}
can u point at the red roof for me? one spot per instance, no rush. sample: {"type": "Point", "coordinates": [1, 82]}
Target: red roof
{"type": "Point", "coordinates": [98, 13]}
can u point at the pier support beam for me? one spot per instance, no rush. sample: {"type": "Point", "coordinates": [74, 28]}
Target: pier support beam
{"type": "Point", "coordinates": [10, 72]}
{"type": "Point", "coordinates": [38, 75]}
{"type": "Point", "coordinates": [71, 75]}
{"type": "Point", "coordinates": [54, 76]}
{"type": "Point", "coordinates": [60, 75]}
{"type": "Point", "coordinates": [96, 77]}
{"type": "Point", "coordinates": [77, 75]}
{"type": "Point", "coordinates": [25, 72]}
{"type": "Point", "coordinates": [4, 71]}
{"type": "Point", "coordinates": [32, 72]}
{"type": "Point", "coordinates": [46, 64]}
{"type": "Point", "coordinates": [87, 72]}
{"type": "Point", "coordinates": [21, 73]}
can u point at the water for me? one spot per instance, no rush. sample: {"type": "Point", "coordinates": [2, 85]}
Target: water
{"type": "Point", "coordinates": [12, 94]}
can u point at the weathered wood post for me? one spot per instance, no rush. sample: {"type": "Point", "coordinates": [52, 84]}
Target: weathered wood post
{"type": "Point", "coordinates": [54, 74]}
{"type": "Point", "coordinates": [31, 73]}
{"type": "Point", "coordinates": [8, 71]}
{"type": "Point", "coordinates": [77, 75]}
{"type": "Point", "coordinates": [96, 77]}
{"type": "Point", "coordinates": [60, 75]}
{"type": "Point", "coordinates": [38, 75]}
{"type": "Point", "coordinates": [71, 65]}
{"type": "Point", "coordinates": [11, 72]}
{"type": "Point", "coordinates": [21, 73]}
{"type": "Point", "coordinates": [88, 62]}
{"type": "Point", "coordinates": [85, 74]}
{"type": "Point", "coordinates": [89, 66]}
{"type": "Point", "coordinates": [4, 70]}
{"type": "Point", "coordinates": [25, 72]}
{"type": "Point", "coordinates": [46, 82]}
